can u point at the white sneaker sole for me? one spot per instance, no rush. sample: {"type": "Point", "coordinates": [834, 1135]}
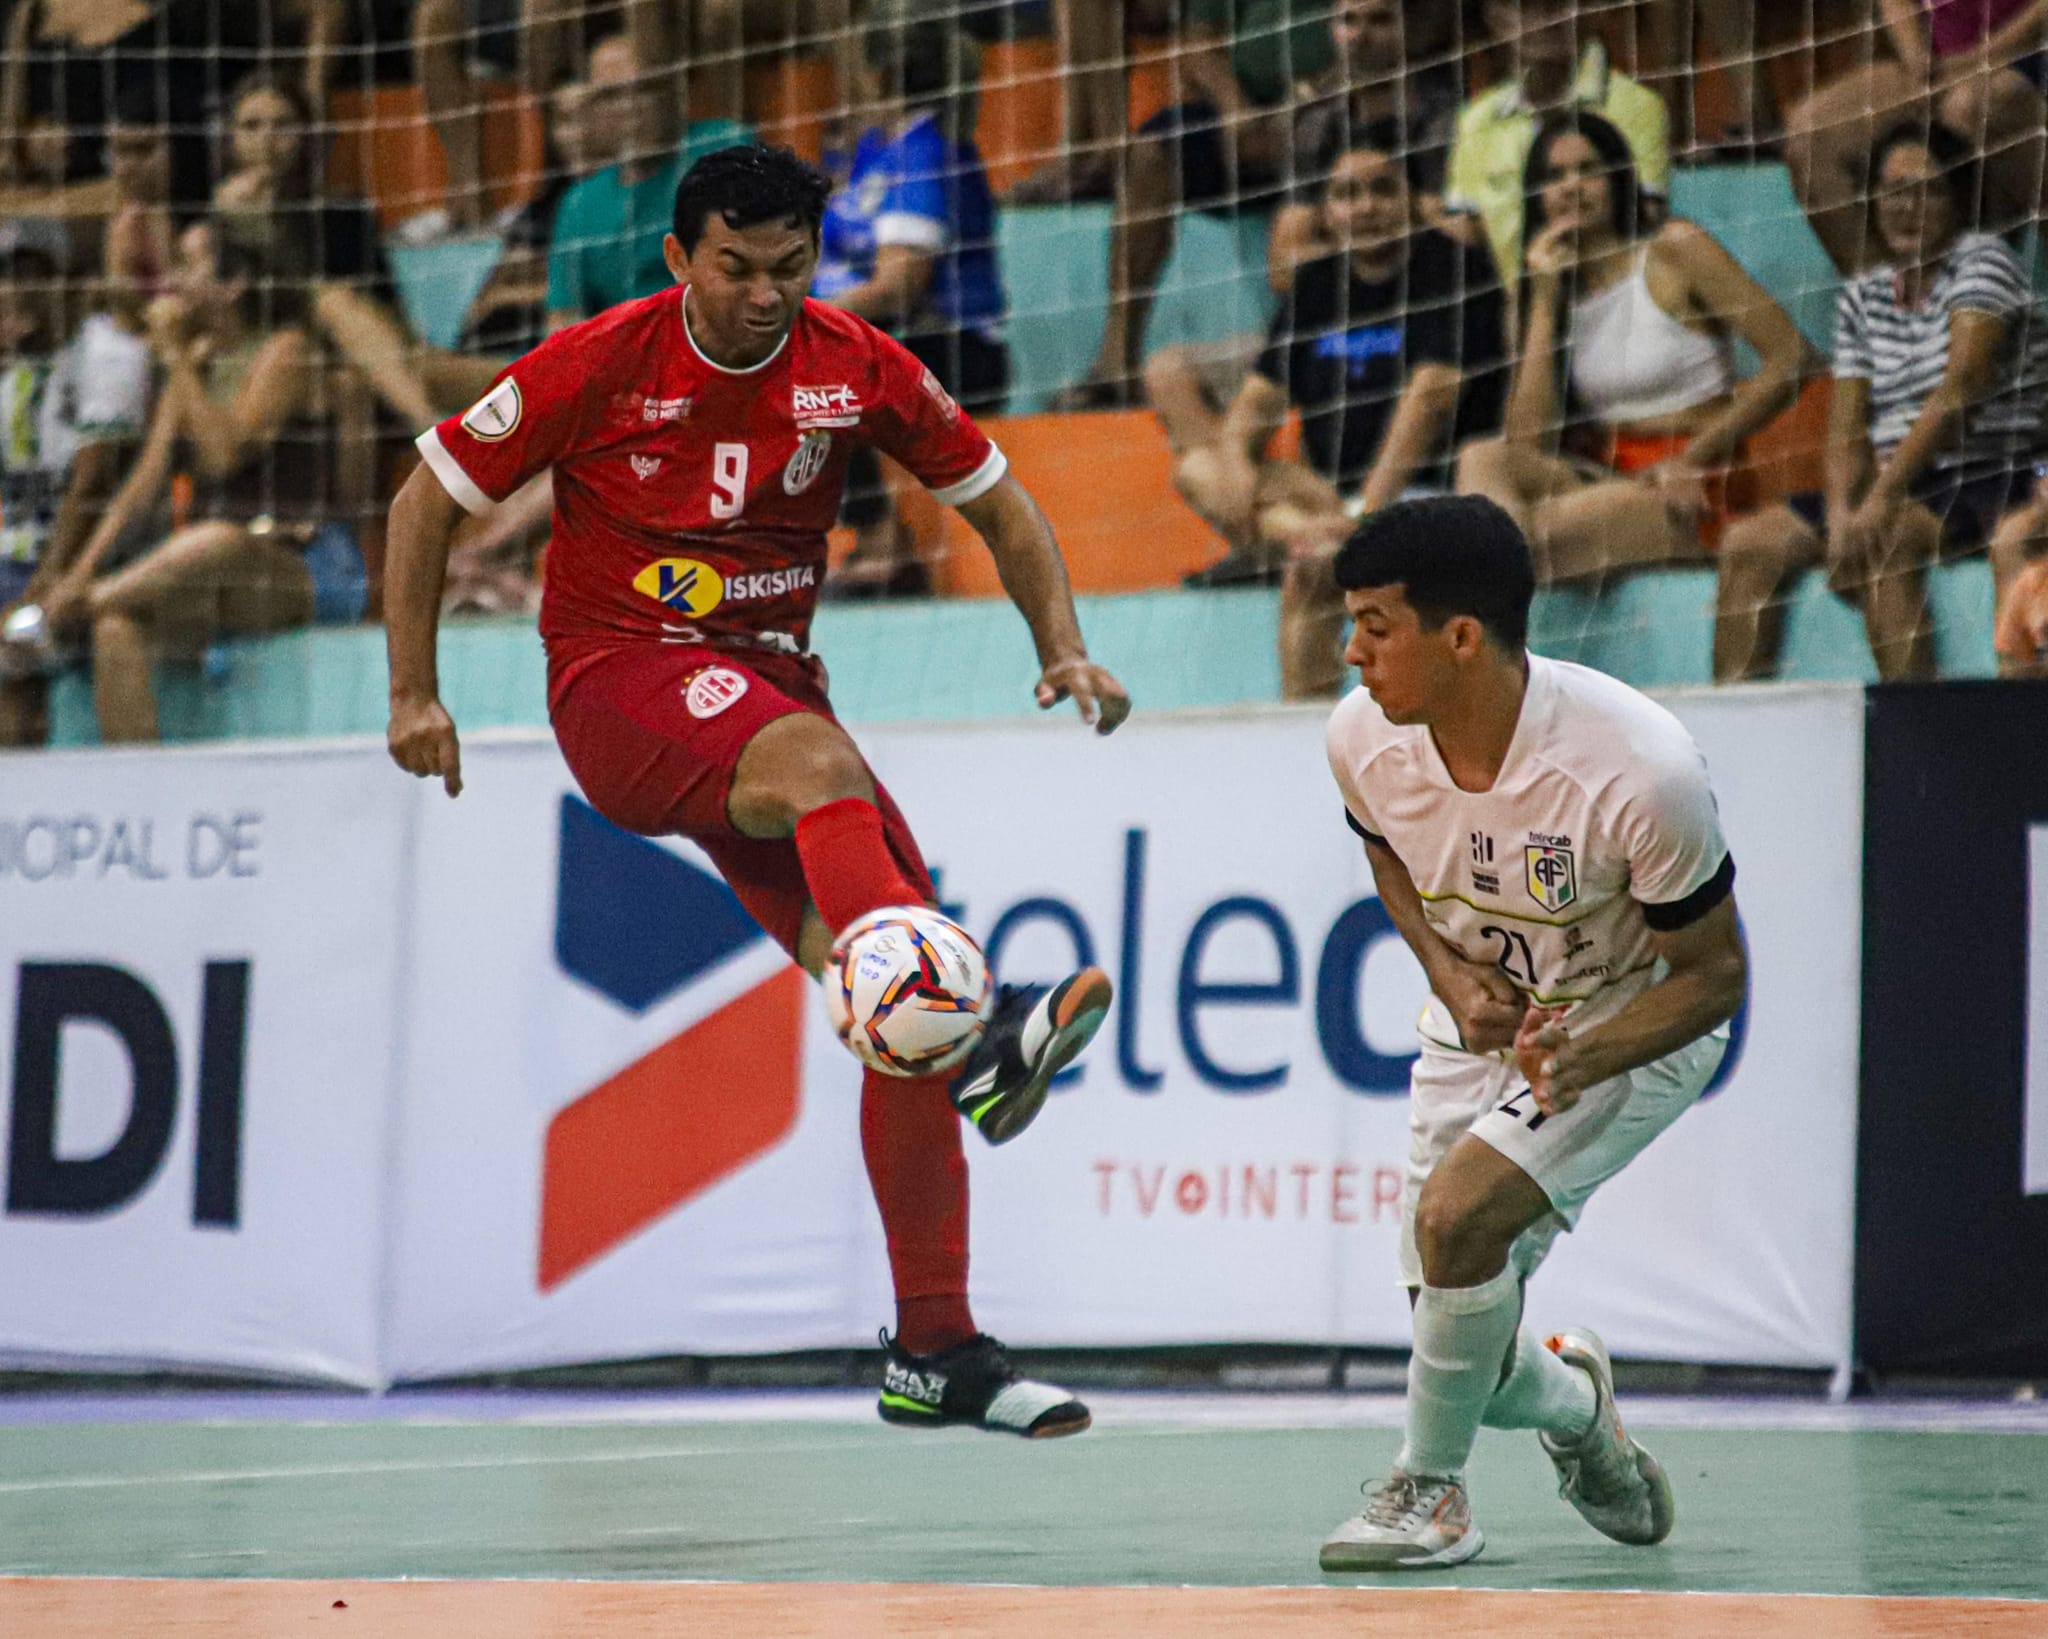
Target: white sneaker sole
{"type": "Point", "coordinates": [1388, 1556]}
{"type": "Point", "coordinates": [1086, 1006]}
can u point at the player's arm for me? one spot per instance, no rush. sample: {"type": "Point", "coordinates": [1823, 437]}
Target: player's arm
{"type": "Point", "coordinates": [1707, 978]}
{"type": "Point", "coordinates": [1033, 573]}
{"type": "Point", "coordinates": [1484, 1005]}
{"type": "Point", "coordinates": [422, 522]}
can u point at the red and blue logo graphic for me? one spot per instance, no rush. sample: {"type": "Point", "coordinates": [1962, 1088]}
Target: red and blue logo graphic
{"type": "Point", "coordinates": [639, 925]}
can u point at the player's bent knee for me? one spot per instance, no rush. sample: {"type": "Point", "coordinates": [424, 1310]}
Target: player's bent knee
{"type": "Point", "coordinates": [1459, 1245]}
{"type": "Point", "coordinates": [794, 765]}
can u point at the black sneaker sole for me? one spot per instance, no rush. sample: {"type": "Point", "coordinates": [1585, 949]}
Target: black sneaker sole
{"type": "Point", "coordinates": [1079, 1006]}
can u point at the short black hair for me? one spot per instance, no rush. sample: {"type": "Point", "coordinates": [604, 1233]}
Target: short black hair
{"type": "Point", "coordinates": [1381, 136]}
{"type": "Point", "coordinates": [1450, 555]}
{"type": "Point", "coordinates": [747, 185]}
{"type": "Point", "coordinates": [1956, 163]}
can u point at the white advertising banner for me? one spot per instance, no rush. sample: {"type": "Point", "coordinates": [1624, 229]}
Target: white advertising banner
{"type": "Point", "coordinates": [197, 962]}
{"type": "Point", "coordinates": [623, 1129]}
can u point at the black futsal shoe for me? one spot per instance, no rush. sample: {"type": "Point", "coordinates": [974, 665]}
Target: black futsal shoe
{"type": "Point", "coordinates": [974, 1384]}
{"type": "Point", "coordinates": [1032, 1034]}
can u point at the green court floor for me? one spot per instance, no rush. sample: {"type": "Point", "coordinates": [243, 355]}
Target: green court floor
{"type": "Point", "coordinates": [1879, 1512]}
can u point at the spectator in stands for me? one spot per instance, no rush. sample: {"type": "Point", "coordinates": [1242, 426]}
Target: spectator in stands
{"type": "Point", "coordinates": [1628, 345]}
{"type": "Point", "coordinates": [1095, 95]}
{"type": "Point", "coordinates": [1370, 83]}
{"type": "Point", "coordinates": [2019, 561]}
{"type": "Point", "coordinates": [1549, 72]}
{"type": "Point", "coordinates": [136, 253]}
{"type": "Point", "coordinates": [1224, 149]}
{"type": "Point", "coordinates": [718, 38]}
{"type": "Point", "coordinates": [1392, 348]}
{"type": "Point", "coordinates": [69, 413]}
{"type": "Point", "coordinates": [908, 243]}
{"type": "Point", "coordinates": [269, 544]}
{"type": "Point", "coordinates": [1941, 384]}
{"type": "Point", "coordinates": [528, 41]}
{"type": "Point", "coordinates": [74, 63]}
{"type": "Point", "coordinates": [1979, 67]}
{"type": "Point", "coordinates": [509, 315]}
{"type": "Point", "coordinates": [609, 227]}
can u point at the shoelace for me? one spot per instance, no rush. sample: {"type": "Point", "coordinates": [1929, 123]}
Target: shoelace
{"type": "Point", "coordinates": [1396, 1504]}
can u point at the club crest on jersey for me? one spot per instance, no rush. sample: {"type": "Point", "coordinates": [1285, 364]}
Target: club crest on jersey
{"type": "Point", "coordinates": [807, 463]}
{"type": "Point", "coordinates": [646, 466]}
{"type": "Point", "coordinates": [496, 414]}
{"type": "Point", "coordinates": [710, 692]}
{"type": "Point", "coordinates": [687, 584]}
{"type": "Point", "coordinates": [1553, 876]}
{"type": "Point", "coordinates": [825, 407]}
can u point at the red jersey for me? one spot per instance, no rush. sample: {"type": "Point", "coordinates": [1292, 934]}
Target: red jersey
{"type": "Point", "coordinates": [691, 501]}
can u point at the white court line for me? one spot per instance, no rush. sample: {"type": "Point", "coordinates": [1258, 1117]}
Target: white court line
{"type": "Point", "coordinates": [328, 1471]}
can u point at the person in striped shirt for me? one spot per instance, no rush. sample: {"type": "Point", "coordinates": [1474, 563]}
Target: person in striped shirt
{"type": "Point", "coordinates": [1941, 383]}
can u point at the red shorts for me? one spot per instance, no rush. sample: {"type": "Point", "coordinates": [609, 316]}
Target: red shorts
{"type": "Point", "coordinates": [653, 732]}
{"type": "Point", "coordinates": [1730, 491]}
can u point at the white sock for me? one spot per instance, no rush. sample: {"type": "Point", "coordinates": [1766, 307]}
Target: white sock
{"type": "Point", "coordinates": [1461, 1335]}
{"type": "Point", "coordinates": [1542, 1392]}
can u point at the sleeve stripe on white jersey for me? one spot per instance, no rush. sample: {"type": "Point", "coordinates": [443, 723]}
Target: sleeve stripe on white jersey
{"type": "Point", "coordinates": [459, 485]}
{"type": "Point", "coordinates": [908, 229]}
{"type": "Point", "coordinates": [977, 483]}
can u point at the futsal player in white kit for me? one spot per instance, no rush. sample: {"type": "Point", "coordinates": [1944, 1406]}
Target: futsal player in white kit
{"type": "Point", "coordinates": [1546, 841]}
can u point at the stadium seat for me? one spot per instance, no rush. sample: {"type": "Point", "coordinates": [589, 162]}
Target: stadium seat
{"type": "Point", "coordinates": [384, 152]}
{"type": "Point", "coordinates": [1022, 111]}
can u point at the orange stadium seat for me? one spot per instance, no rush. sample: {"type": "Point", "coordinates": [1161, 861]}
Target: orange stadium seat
{"type": "Point", "coordinates": [384, 151]}
{"type": "Point", "coordinates": [1022, 112]}
{"type": "Point", "coordinates": [790, 101]}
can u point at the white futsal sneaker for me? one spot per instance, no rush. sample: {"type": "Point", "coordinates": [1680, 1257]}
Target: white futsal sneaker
{"type": "Point", "coordinates": [1619, 1488]}
{"type": "Point", "coordinates": [1411, 1522]}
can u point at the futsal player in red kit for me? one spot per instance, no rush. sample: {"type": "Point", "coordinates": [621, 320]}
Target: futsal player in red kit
{"type": "Point", "coordinates": [698, 441]}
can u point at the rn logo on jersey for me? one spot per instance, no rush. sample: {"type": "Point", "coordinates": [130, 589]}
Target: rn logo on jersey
{"type": "Point", "coordinates": [804, 466]}
{"type": "Point", "coordinates": [641, 927]}
{"type": "Point", "coordinates": [687, 584]}
{"type": "Point", "coordinates": [825, 406]}
{"type": "Point", "coordinates": [496, 414]}
{"type": "Point", "coordinates": [1553, 877]}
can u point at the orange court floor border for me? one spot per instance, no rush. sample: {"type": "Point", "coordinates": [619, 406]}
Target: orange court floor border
{"type": "Point", "coordinates": [74, 1608]}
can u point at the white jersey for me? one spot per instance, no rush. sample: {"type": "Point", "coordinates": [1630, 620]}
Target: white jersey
{"type": "Point", "coordinates": [96, 387]}
{"type": "Point", "coordinates": [1600, 826]}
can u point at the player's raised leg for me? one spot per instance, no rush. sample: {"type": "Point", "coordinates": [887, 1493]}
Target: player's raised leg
{"type": "Point", "coordinates": [802, 777]}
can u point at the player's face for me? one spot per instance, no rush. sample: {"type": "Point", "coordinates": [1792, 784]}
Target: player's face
{"type": "Point", "coordinates": [1400, 661]}
{"type": "Point", "coordinates": [747, 286]}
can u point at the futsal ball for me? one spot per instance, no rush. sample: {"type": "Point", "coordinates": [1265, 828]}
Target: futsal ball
{"type": "Point", "coordinates": [905, 988]}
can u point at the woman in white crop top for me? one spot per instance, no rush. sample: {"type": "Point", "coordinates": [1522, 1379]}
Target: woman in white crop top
{"type": "Point", "coordinates": [1626, 358]}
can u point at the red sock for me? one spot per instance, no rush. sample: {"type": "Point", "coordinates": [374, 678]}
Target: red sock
{"type": "Point", "coordinates": [910, 1138]}
{"type": "Point", "coordinates": [847, 862]}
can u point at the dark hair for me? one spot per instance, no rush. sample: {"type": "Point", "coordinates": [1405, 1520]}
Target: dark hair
{"type": "Point", "coordinates": [141, 104]}
{"type": "Point", "coordinates": [928, 64]}
{"type": "Point", "coordinates": [748, 185]}
{"type": "Point", "coordinates": [1450, 555]}
{"type": "Point", "coordinates": [1956, 163]}
{"type": "Point", "coordinates": [29, 265]}
{"type": "Point", "coordinates": [273, 266]}
{"type": "Point", "coordinates": [1380, 136]}
{"type": "Point", "coordinates": [1624, 187]}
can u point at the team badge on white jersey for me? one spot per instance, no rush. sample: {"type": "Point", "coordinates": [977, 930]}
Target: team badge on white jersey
{"type": "Point", "coordinates": [711, 691]}
{"type": "Point", "coordinates": [1553, 878]}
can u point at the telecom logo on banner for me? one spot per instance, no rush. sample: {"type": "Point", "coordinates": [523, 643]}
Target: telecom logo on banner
{"type": "Point", "coordinates": [639, 925]}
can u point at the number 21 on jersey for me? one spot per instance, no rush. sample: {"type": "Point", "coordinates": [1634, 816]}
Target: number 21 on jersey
{"type": "Point", "coordinates": [728, 480]}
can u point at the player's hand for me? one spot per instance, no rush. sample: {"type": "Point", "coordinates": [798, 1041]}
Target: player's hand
{"type": "Point", "coordinates": [1539, 1043]}
{"type": "Point", "coordinates": [422, 739]}
{"type": "Point", "coordinates": [1099, 697]}
{"type": "Point", "coordinates": [1485, 1006]}
{"type": "Point", "coordinates": [1552, 253]}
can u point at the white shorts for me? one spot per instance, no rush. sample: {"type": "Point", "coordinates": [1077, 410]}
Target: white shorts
{"type": "Point", "coordinates": [1451, 1093]}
